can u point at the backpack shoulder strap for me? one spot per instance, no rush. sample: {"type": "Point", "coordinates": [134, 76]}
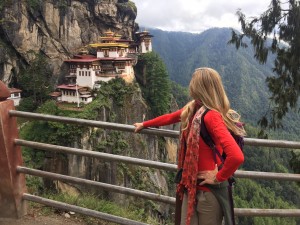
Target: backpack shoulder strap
{"type": "Point", "coordinates": [204, 132]}
{"type": "Point", "coordinates": [207, 138]}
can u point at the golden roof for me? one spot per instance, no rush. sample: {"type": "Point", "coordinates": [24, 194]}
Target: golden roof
{"type": "Point", "coordinates": [121, 45]}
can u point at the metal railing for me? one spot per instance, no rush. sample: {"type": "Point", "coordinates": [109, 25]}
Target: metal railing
{"type": "Point", "coordinates": [140, 162]}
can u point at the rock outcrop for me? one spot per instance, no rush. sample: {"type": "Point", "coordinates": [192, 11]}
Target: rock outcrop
{"type": "Point", "coordinates": [57, 29]}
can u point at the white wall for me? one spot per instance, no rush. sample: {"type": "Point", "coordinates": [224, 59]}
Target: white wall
{"type": "Point", "coordinates": [16, 97]}
{"type": "Point", "coordinates": [87, 77]}
{"type": "Point", "coordinates": [100, 54]}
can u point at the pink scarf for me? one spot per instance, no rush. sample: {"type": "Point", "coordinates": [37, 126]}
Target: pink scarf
{"type": "Point", "coordinates": [189, 144]}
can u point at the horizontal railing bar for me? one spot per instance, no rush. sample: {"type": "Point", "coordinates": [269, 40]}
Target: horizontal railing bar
{"type": "Point", "coordinates": [152, 131]}
{"type": "Point", "coordinates": [272, 143]}
{"type": "Point", "coordinates": [267, 212]}
{"type": "Point", "coordinates": [168, 200]}
{"type": "Point", "coordinates": [81, 210]}
{"type": "Point", "coordinates": [267, 175]}
{"type": "Point", "coordinates": [93, 123]}
{"type": "Point", "coordinates": [149, 163]}
{"type": "Point", "coordinates": [249, 212]}
{"type": "Point", "coordinates": [101, 155]}
{"type": "Point", "coordinates": [110, 187]}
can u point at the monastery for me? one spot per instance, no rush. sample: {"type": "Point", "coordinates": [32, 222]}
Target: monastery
{"type": "Point", "coordinates": [15, 95]}
{"type": "Point", "coordinates": [110, 58]}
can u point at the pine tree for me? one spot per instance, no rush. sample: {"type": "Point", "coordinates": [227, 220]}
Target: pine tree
{"type": "Point", "coordinates": [281, 21]}
{"type": "Point", "coordinates": [155, 85]}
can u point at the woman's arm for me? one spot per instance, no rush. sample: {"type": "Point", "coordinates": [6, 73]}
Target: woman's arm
{"type": "Point", "coordinates": [163, 120]}
{"type": "Point", "coordinates": [221, 136]}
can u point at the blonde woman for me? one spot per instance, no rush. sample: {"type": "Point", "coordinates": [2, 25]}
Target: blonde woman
{"type": "Point", "coordinates": [201, 176]}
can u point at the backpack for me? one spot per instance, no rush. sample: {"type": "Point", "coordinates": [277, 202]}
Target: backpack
{"type": "Point", "coordinates": [208, 140]}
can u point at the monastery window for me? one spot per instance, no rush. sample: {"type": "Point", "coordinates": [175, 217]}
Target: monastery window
{"type": "Point", "coordinates": [79, 73]}
{"type": "Point", "coordinates": [89, 73]}
{"type": "Point", "coordinates": [105, 53]}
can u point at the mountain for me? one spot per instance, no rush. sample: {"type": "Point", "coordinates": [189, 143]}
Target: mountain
{"type": "Point", "coordinates": [243, 77]}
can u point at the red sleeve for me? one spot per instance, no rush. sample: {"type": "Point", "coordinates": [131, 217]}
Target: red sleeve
{"type": "Point", "coordinates": [222, 137]}
{"type": "Point", "coordinates": [164, 120]}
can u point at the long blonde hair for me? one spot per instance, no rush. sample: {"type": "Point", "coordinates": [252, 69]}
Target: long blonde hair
{"type": "Point", "coordinates": [206, 86]}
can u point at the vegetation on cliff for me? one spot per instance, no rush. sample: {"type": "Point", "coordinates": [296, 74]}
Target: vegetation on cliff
{"type": "Point", "coordinates": [110, 104]}
{"type": "Point", "coordinates": [154, 80]}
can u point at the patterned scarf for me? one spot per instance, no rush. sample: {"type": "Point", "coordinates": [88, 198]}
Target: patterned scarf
{"type": "Point", "coordinates": [188, 160]}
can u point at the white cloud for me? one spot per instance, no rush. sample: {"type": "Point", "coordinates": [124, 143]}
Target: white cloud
{"type": "Point", "coordinates": [195, 15]}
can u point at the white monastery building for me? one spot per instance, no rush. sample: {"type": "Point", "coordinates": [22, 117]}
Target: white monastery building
{"type": "Point", "coordinates": [113, 57]}
{"type": "Point", "coordinates": [15, 95]}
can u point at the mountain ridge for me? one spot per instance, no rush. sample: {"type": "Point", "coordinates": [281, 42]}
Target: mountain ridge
{"type": "Point", "coordinates": [243, 77]}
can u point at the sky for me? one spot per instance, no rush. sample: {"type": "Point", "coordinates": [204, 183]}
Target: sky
{"type": "Point", "coordinates": [195, 15]}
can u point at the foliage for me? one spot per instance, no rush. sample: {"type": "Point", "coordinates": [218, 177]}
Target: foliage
{"type": "Point", "coordinates": [5, 3]}
{"type": "Point", "coordinates": [156, 84]}
{"type": "Point", "coordinates": [129, 7]}
{"type": "Point", "coordinates": [294, 163]}
{"type": "Point", "coordinates": [116, 89]}
{"type": "Point", "coordinates": [249, 194]}
{"type": "Point", "coordinates": [34, 4]}
{"type": "Point", "coordinates": [132, 5]}
{"type": "Point", "coordinates": [99, 204]}
{"type": "Point", "coordinates": [280, 20]}
{"type": "Point", "coordinates": [180, 94]}
{"type": "Point", "coordinates": [27, 104]}
{"type": "Point", "coordinates": [35, 80]}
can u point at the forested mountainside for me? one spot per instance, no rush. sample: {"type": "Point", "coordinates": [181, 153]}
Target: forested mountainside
{"type": "Point", "coordinates": [243, 77]}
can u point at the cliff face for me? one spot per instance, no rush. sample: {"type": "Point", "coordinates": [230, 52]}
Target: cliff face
{"type": "Point", "coordinates": [57, 29]}
{"type": "Point", "coordinates": [150, 147]}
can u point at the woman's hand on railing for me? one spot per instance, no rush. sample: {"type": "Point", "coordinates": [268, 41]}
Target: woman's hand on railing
{"type": "Point", "coordinates": [138, 127]}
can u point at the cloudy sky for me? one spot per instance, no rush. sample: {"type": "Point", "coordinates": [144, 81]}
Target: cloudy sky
{"type": "Point", "coordinates": [195, 15]}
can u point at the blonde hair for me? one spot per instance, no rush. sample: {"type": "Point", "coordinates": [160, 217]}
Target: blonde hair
{"type": "Point", "coordinates": [206, 86]}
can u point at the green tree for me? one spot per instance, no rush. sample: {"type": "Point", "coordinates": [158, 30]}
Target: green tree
{"type": "Point", "coordinates": [180, 93]}
{"type": "Point", "coordinates": [155, 82]}
{"type": "Point", "coordinates": [35, 81]}
{"type": "Point", "coordinates": [281, 22]}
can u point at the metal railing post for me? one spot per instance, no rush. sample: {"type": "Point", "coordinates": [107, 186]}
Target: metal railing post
{"type": "Point", "coordinates": [12, 184]}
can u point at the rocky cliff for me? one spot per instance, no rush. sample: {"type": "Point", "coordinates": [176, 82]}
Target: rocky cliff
{"type": "Point", "coordinates": [56, 29]}
{"type": "Point", "coordinates": [127, 109]}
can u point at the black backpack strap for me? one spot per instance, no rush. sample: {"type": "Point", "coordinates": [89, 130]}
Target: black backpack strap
{"type": "Point", "coordinates": [208, 140]}
{"type": "Point", "coordinates": [224, 197]}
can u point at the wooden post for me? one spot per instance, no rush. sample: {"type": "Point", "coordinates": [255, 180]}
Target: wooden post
{"type": "Point", "coordinates": [12, 184]}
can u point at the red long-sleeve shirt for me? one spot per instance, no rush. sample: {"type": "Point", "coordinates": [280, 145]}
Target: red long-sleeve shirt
{"type": "Point", "coordinates": [221, 137]}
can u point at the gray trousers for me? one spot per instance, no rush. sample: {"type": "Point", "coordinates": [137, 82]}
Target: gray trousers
{"type": "Point", "coordinates": [206, 212]}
